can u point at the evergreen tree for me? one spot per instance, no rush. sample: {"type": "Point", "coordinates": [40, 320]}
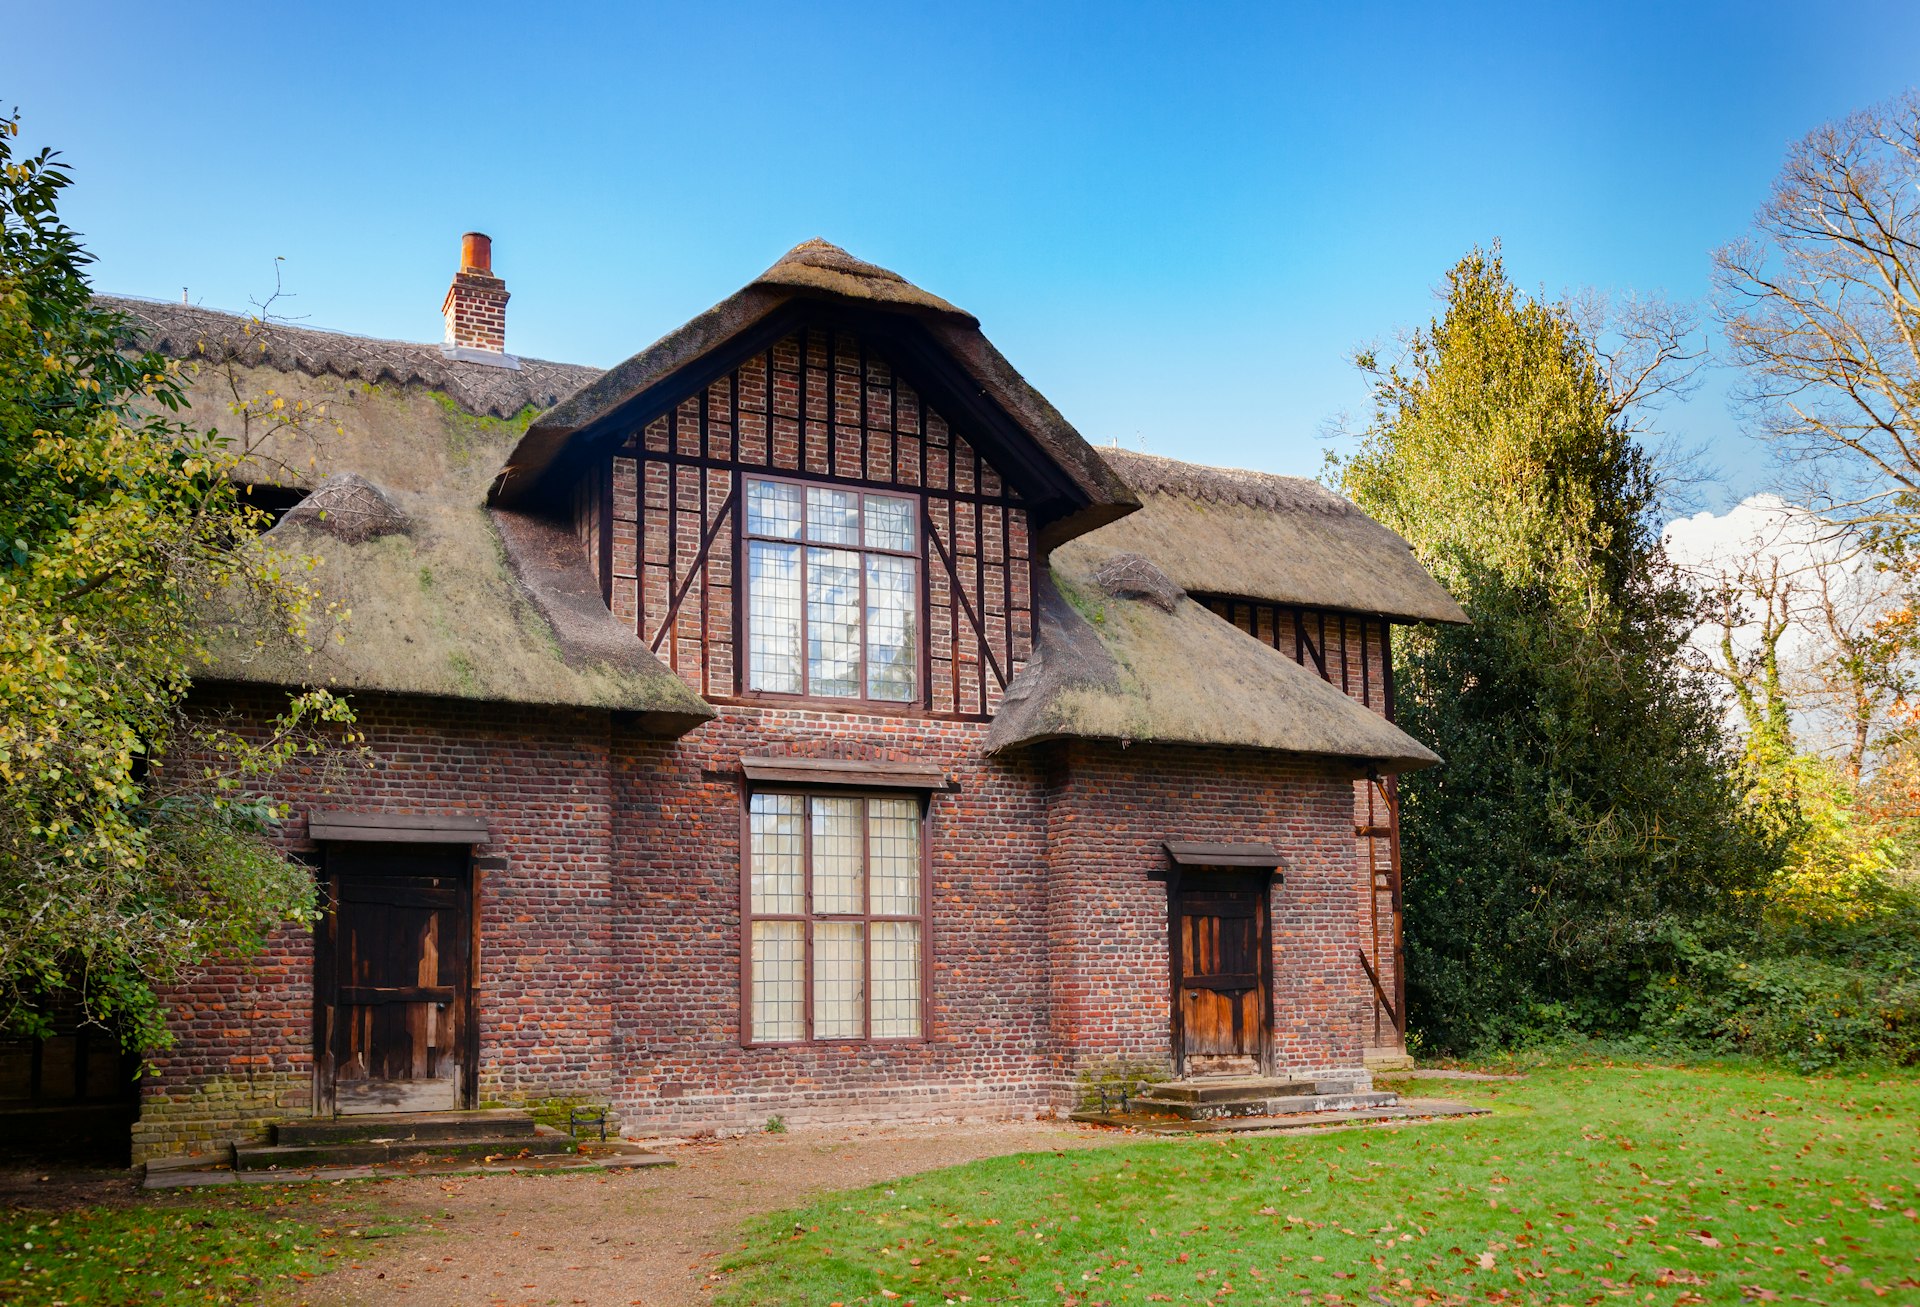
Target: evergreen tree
{"type": "Point", "coordinates": [1590, 809]}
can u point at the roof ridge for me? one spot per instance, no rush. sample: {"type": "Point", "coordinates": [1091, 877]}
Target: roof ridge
{"type": "Point", "coordinates": [189, 331]}
{"type": "Point", "coordinates": [1158, 474]}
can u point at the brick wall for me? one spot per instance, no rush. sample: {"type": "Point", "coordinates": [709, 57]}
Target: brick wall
{"type": "Point", "coordinates": [610, 910]}
{"type": "Point", "coordinates": [243, 1052]}
{"type": "Point", "coordinates": [1108, 897]}
{"type": "Point", "coordinates": [1354, 653]}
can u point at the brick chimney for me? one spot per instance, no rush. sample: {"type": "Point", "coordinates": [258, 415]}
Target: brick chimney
{"type": "Point", "coordinates": [476, 305]}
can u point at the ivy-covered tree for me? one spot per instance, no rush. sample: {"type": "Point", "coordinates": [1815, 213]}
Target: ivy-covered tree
{"type": "Point", "coordinates": [133, 834]}
{"type": "Point", "coordinates": [1590, 806]}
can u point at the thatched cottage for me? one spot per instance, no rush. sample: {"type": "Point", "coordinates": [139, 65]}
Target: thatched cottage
{"type": "Point", "coordinates": [799, 719]}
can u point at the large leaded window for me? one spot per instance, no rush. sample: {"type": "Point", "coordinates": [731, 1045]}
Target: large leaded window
{"type": "Point", "coordinates": [833, 592]}
{"type": "Point", "coordinates": [836, 918]}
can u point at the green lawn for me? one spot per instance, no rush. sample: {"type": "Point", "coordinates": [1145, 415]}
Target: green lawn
{"type": "Point", "coordinates": [1640, 1184]}
{"type": "Point", "coordinates": [223, 1246]}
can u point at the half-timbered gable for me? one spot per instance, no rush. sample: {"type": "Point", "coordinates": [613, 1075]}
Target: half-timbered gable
{"type": "Point", "coordinates": [676, 537]}
{"type": "Point", "coordinates": [1350, 650]}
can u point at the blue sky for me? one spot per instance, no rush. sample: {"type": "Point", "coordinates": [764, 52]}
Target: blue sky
{"type": "Point", "coordinates": [1179, 221]}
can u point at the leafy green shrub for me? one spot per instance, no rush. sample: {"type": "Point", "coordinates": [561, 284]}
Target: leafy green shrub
{"type": "Point", "coordinates": [1813, 991]}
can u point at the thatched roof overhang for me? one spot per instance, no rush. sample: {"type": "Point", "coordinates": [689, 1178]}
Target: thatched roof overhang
{"type": "Point", "coordinates": [467, 604]}
{"type": "Point", "coordinates": [1284, 540]}
{"type": "Point", "coordinates": [1067, 486]}
{"type": "Point", "coordinates": [1133, 671]}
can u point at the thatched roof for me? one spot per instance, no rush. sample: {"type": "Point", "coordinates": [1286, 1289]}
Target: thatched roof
{"type": "Point", "coordinates": [442, 595]}
{"type": "Point", "coordinates": [1286, 540]}
{"type": "Point", "coordinates": [817, 273]}
{"type": "Point", "coordinates": [1112, 663]}
{"type": "Point", "coordinates": [188, 332]}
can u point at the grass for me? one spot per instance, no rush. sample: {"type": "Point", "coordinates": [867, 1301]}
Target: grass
{"type": "Point", "coordinates": [1587, 1185]}
{"type": "Point", "coordinates": [245, 1246]}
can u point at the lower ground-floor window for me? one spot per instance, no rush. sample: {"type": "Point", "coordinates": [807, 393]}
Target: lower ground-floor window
{"type": "Point", "coordinates": [835, 917]}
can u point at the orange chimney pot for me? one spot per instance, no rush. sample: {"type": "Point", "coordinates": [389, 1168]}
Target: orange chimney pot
{"type": "Point", "coordinates": [476, 253]}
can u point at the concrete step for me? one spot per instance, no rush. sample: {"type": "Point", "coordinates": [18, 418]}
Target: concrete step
{"type": "Point", "coordinates": [544, 1142]}
{"type": "Point", "coordinates": [1387, 1059]}
{"type": "Point", "coordinates": [1223, 1089]}
{"type": "Point", "coordinates": [499, 1123]}
{"type": "Point", "coordinates": [1281, 1104]}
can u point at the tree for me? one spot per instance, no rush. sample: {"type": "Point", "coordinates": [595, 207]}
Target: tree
{"type": "Point", "coordinates": [1590, 805]}
{"type": "Point", "coordinates": [1798, 609]}
{"type": "Point", "coordinates": [134, 836]}
{"type": "Point", "coordinates": [1821, 307]}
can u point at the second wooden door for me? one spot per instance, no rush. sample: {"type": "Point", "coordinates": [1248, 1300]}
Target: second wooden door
{"type": "Point", "coordinates": [1221, 971]}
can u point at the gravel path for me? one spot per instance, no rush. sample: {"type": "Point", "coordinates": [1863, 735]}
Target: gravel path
{"type": "Point", "coordinates": [649, 1236]}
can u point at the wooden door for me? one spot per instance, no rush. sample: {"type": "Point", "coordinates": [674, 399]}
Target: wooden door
{"type": "Point", "coordinates": [1221, 972]}
{"type": "Point", "coordinates": [395, 1014]}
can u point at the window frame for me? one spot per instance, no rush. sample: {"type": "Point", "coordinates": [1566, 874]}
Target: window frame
{"type": "Point", "coordinates": [916, 555]}
{"type": "Point", "coordinates": [924, 801]}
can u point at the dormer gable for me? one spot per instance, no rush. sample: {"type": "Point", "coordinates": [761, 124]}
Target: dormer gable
{"type": "Point", "coordinates": [829, 489]}
{"type": "Point", "coordinates": [1069, 488]}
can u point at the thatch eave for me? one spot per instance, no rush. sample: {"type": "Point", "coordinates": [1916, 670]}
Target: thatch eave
{"type": "Point", "coordinates": [466, 605]}
{"type": "Point", "coordinates": [1128, 670]}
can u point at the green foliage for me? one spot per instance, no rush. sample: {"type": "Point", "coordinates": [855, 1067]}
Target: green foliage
{"type": "Point", "coordinates": [1590, 804]}
{"type": "Point", "coordinates": [1815, 989]}
{"type": "Point", "coordinates": [133, 843]}
{"type": "Point", "coordinates": [1641, 1184]}
{"type": "Point", "coordinates": [776, 1125]}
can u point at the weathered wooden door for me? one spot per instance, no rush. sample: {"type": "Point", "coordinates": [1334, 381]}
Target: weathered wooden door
{"type": "Point", "coordinates": [394, 1012]}
{"type": "Point", "coordinates": [1220, 973]}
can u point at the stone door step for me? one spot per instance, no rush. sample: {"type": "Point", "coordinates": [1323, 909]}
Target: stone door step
{"type": "Point", "coordinates": [1220, 1099]}
{"type": "Point", "coordinates": [543, 1141]}
{"type": "Point", "coordinates": [499, 1123]}
{"type": "Point", "coordinates": [1219, 1089]}
{"type": "Point", "coordinates": [1413, 1109]}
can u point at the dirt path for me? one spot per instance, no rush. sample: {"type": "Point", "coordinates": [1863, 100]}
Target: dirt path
{"type": "Point", "coordinates": [647, 1236]}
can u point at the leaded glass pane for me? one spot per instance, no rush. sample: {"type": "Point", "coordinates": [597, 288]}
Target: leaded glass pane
{"type": "Point", "coordinates": [779, 980]}
{"type": "Point", "coordinates": [773, 509]}
{"type": "Point", "coordinates": [773, 617]}
{"type": "Point", "coordinates": [889, 523]}
{"type": "Point", "coordinates": [776, 856]}
{"type": "Point", "coordinates": [896, 980]}
{"type": "Point", "coordinates": [836, 857]}
{"type": "Point", "coordinates": [892, 647]}
{"type": "Point", "coordinates": [893, 841]}
{"type": "Point", "coordinates": [833, 622]}
{"type": "Point", "coordinates": [839, 979]}
{"type": "Point", "coordinates": [833, 516]}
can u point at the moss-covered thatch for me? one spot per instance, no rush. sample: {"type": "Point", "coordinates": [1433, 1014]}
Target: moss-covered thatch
{"type": "Point", "coordinates": [1286, 540]}
{"type": "Point", "coordinates": [439, 595]}
{"type": "Point", "coordinates": [1109, 667]}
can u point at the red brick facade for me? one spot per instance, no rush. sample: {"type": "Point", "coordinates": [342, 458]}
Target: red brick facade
{"type": "Point", "coordinates": [610, 942]}
{"type": "Point", "coordinates": [609, 887]}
